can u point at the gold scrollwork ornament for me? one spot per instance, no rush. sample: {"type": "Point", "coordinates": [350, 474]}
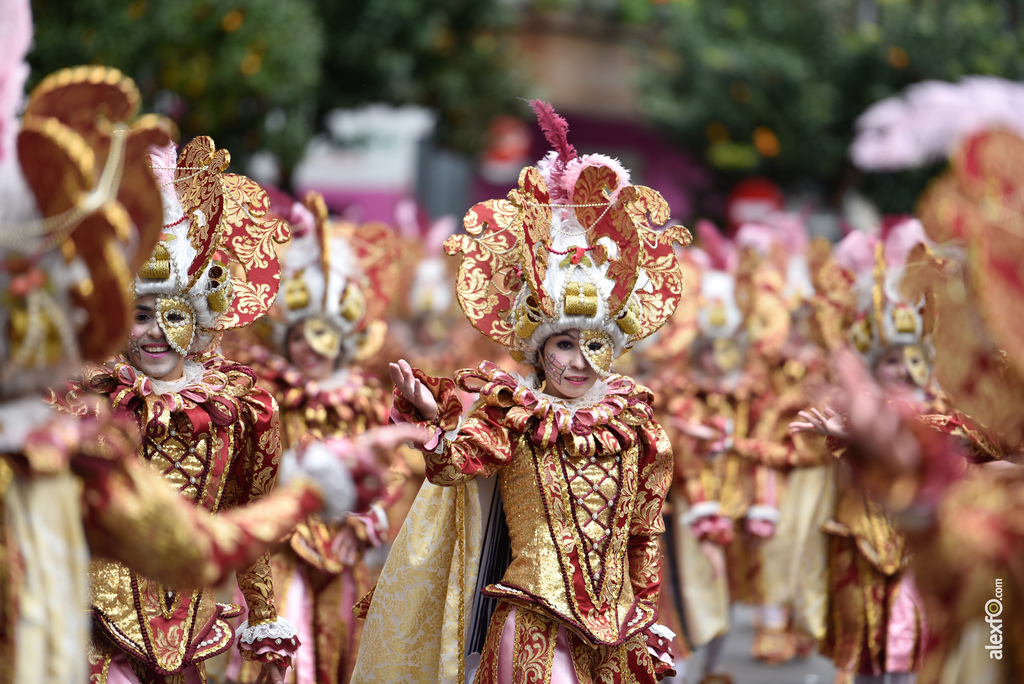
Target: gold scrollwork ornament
{"type": "Point", "coordinates": [598, 349]}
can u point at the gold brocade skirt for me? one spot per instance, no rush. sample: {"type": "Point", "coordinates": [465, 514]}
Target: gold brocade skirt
{"type": "Point", "coordinates": [526, 647]}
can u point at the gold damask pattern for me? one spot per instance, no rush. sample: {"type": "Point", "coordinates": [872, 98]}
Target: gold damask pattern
{"type": "Point", "coordinates": [507, 249]}
{"type": "Point", "coordinates": [219, 431]}
{"type": "Point", "coordinates": [251, 240]}
{"type": "Point", "coordinates": [196, 183]}
{"type": "Point", "coordinates": [535, 642]}
{"type": "Point", "coordinates": [599, 504]}
{"type": "Point", "coordinates": [415, 627]}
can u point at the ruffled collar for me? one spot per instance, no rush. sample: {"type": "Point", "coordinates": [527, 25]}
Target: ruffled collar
{"type": "Point", "coordinates": [211, 383]}
{"type": "Point", "coordinates": [602, 422]}
{"type": "Point", "coordinates": [294, 389]}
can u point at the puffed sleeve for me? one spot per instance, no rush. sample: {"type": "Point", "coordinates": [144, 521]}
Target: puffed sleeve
{"type": "Point", "coordinates": [460, 449]}
{"type": "Point", "coordinates": [132, 515]}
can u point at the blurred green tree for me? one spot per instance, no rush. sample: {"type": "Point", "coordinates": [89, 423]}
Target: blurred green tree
{"type": "Point", "coordinates": [244, 72]}
{"type": "Point", "coordinates": [453, 56]}
{"type": "Point", "coordinates": [257, 74]}
{"type": "Point", "coordinates": [775, 87]}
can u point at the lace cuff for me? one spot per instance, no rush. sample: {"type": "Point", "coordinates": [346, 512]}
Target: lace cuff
{"type": "Point", "coordinates": [659, 646]}
{"type": "Point", "coordinates": [701, 509]}
{"type": "Point", "coordinates": [271, 642]}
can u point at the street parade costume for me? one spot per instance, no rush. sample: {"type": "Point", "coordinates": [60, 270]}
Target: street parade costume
{"type": "Point", "coordinates": [876, 623]}
{"type": "Point", "coordinates": [583, 481]}
{"type": "Point", "coordinates": [213, 434]}
{"type": "Point", "coordinates": [964, 519]}
{"type": "Point", "coordinates": [337, 281]}
{"type": "Point", "coordinates": [728, 406]}
{"type": "Point", "coordinates": [69, 250]}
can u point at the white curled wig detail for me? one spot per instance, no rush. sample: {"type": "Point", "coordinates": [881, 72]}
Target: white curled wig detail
{"type": "Point", "coordinates": [719, 316]}
{"type": "Point", "coordinates": [566, 235]}
{"type": "Point", "coordinates": [322, 295]}
{"type": "Point", "coordinates": [180, 255]}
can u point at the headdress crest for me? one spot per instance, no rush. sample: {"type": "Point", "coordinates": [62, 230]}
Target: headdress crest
{"type": "Point", "coordinates": [573, 247]}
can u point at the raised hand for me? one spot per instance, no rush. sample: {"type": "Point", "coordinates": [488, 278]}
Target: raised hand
{"type": "Point", "coordinates": [829, 423]}
{"type": "Point", "coordinates": [412, 389]}
{"type": "Point", "coordinates": [696, 430]}
{"type": "Point", "coordinates": [383, 439]}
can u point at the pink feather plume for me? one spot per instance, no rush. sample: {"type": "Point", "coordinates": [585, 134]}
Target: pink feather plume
{"type": "Point", "coordinates": [555, 129]}
{"type": "Point", "coordinates": [926, 121]}
{"type": "Point", "coordinates": [15, 41]}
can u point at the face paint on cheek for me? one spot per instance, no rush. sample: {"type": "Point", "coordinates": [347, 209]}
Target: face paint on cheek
{"type": "Point", "coordinates": [133, 348]}
{"type": "Point", "coordinates": [553, 368]}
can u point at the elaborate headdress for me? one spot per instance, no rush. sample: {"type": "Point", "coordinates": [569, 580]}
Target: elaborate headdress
{"type": "Point", "coordinates": [338, 281]}
{"type": "Point", "coordinates": [215, 267]}
{"type": "Point", "coordinates": [79, 212]}
{"type": "Point", "coordinates": [862, 291]}
{"type": "Point", "coordinates": [572, 247]}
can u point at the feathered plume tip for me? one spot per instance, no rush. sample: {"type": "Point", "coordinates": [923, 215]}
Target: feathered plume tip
{"type": "Point", "coordinates": [926, 121]}
{"type": "Point", "coordinates": [555, 129]}
{"type": "Point", "coordinates": [552, 167]}
{"type": "Point", "coordinates": [15, 41]}
{"type": "Point", "coordinates": [720, 250]}
{"type": "Point", "coordinates": [164, 161]}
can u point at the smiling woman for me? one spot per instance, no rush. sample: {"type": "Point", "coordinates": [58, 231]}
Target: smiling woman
{"type": "Point", "coordinates": [568, 275]}
{"type": "Point", "coordinates": [566, 372]}
{"type": "Point", "coordinates": [148, 348]}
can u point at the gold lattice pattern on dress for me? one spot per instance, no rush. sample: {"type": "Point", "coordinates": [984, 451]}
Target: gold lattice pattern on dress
{"type": "Point", "coordinates": [181, 462]}
{"type": "Point", "coordinates": [594, 487]}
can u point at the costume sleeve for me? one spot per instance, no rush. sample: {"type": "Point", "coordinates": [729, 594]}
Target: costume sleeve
{"type": "Point", "coordinates": [265, 636]}
{"type": "Point", "coordinates": [460, 449]}
{"type": "Point", "coordinates": [771, 444]}
{"type": "Point", "coordinates": [137, 519]}
{"type": "Point", "coordinates": [260, 447]}
{"type": "Point", "coordinates": [647, 524]}
{"type": "Point", "coordinates": [131, 515]}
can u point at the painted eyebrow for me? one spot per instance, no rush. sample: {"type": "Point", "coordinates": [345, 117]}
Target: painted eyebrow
{"type": "Point", "coordinates": [144, 307]}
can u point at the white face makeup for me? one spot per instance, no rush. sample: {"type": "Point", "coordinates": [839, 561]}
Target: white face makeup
{"type": "Point", "coordinates": [566, 370]}
{"type": "Point", "coordinates": [308, 361]}
{"type": "Point", "coordinates": [148, 349]}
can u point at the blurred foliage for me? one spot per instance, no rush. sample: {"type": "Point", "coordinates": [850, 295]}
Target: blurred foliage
{"type": "Point", "coordinates": [243, 72]}
{"type": "Point", "coordinates": [775, 87]}
{"type": "Point", "coordinates": [258, 74]}
{"type": "Point", "coordinates": [450, 55]}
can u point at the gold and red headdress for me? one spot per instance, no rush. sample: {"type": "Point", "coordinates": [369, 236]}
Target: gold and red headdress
{"type": "Point", "coordinates": [80, 215]}
{"type": "Point", "coordinates": [339, 279]}
{"type": "Point", "coordinates": [215, 267]}
{"type": "Point", "coordinates": [861, 301]}
{"type": "Point", "coordinates": [572, 248]}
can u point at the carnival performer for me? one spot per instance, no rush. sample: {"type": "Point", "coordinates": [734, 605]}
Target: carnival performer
{"type": "Point", "coordinates": [566, 274]}
{"type": "Point", "coordinates": [725, 499]}
{"type": "Point", "coordinates": [876, 625]}
{"type": "Point", "coordinates": [206, 426]}
{"type": "Point", "coordinates": [776, 255]}
{"type": "Point", "coordinates": [74, 486]}
{"type": "Point", "coordinates": [338, 279]}
{"type": "Point", "coordinates": [961, 520]}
